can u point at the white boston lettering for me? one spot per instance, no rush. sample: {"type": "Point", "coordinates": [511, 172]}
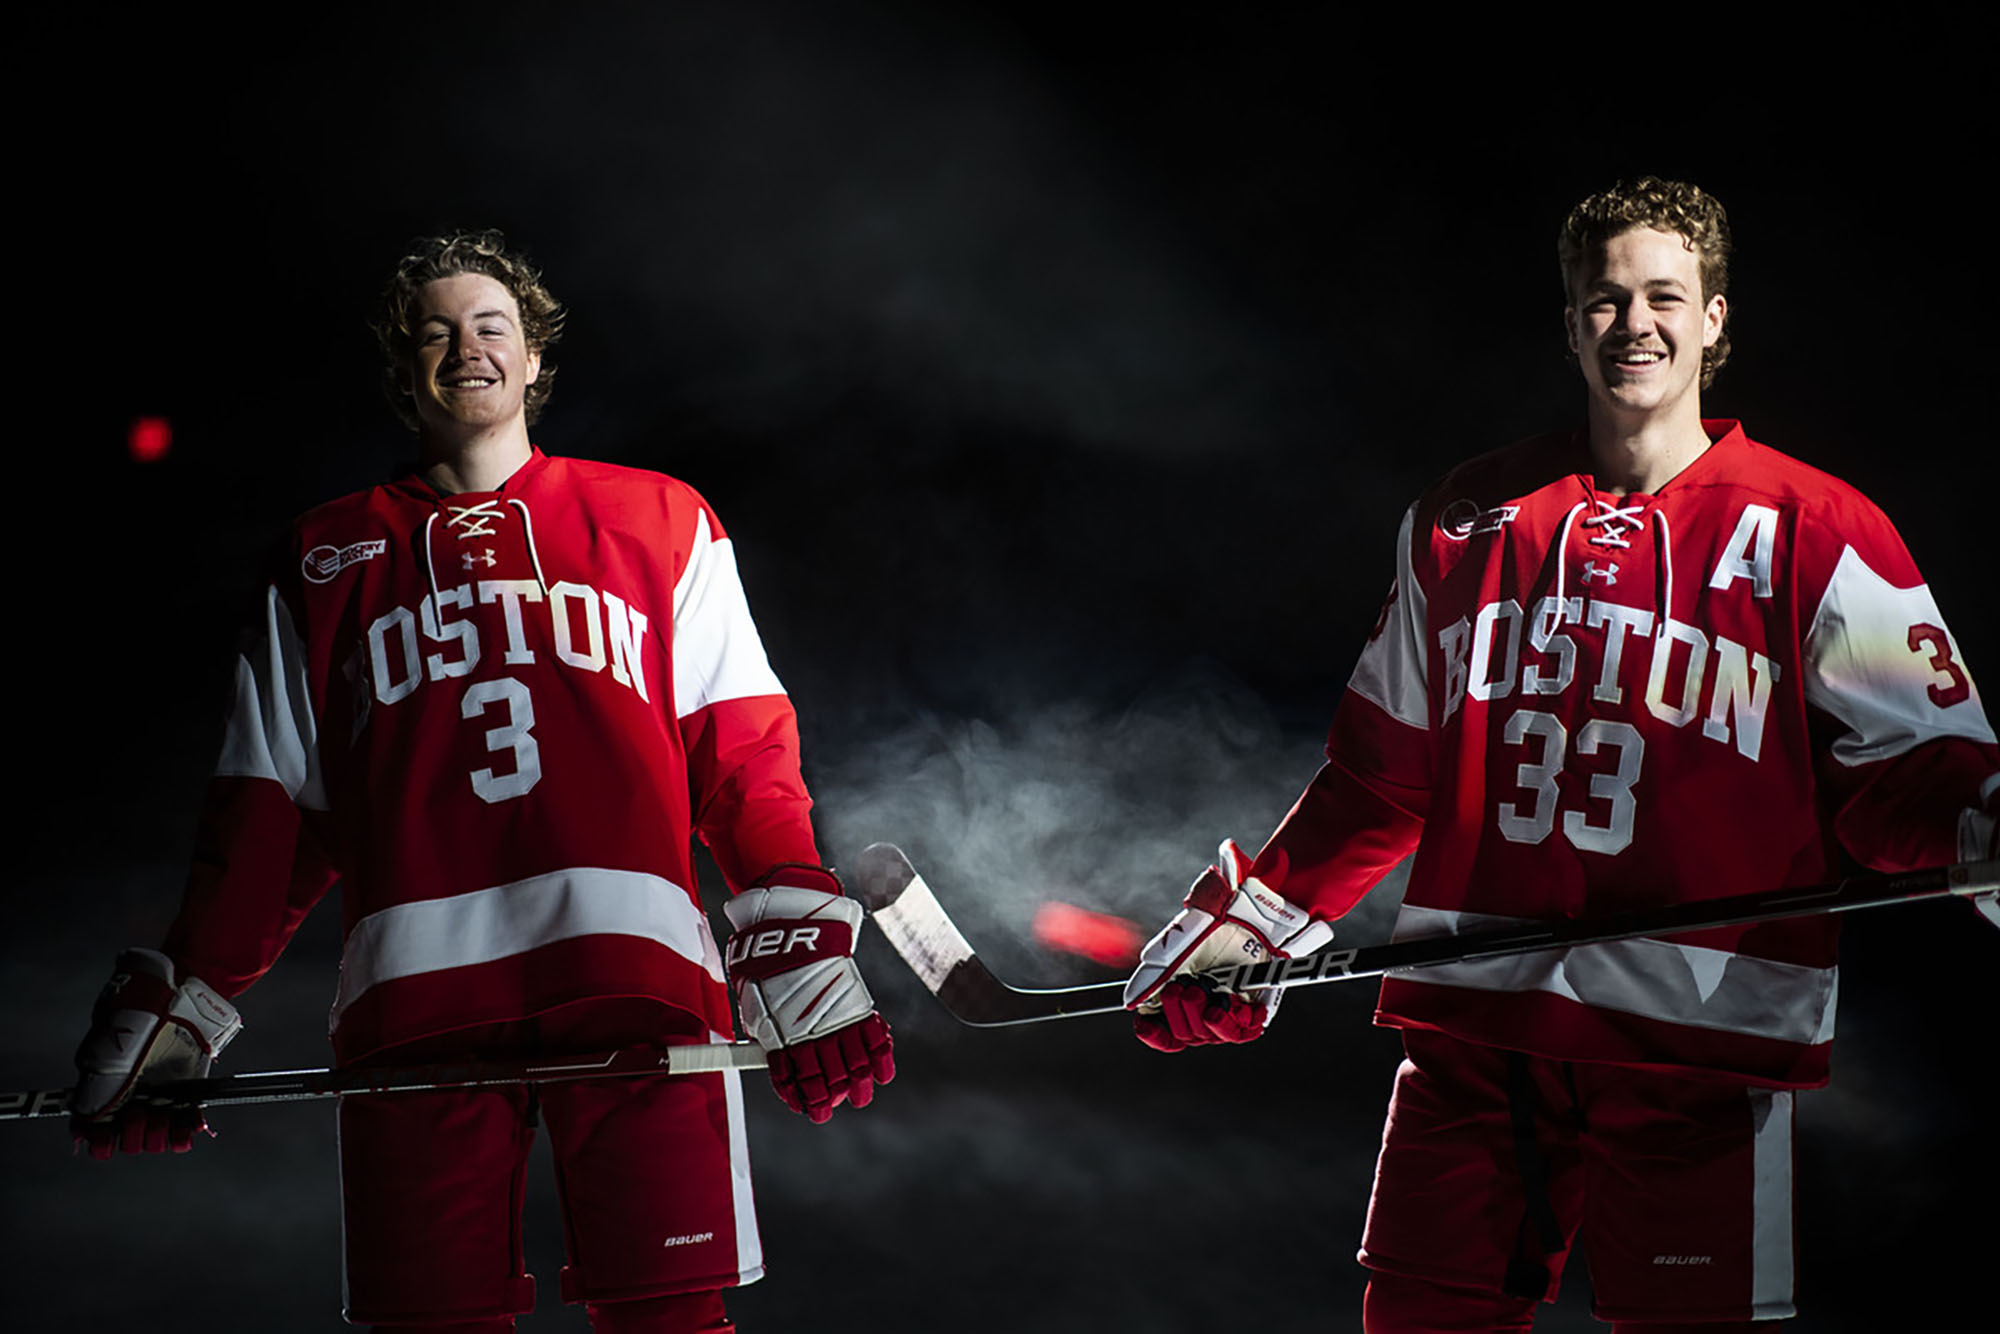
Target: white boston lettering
{"type": "Point", "coordinates": [1487, 683]}
{"type": "Point", "coordinates": [1743, 680]}
{"type": "Point", "coordinates": [560, 597]}
{"type": "Point", "coordinates": [1454, 639]}
{"type": "Point", "coordinates": [1673, 633]}
{"type": "Point", "coordinates": [1544, 638]}
{"type": "Point", "coordinates": [626, 629]}
{"type": "Point", "coordinates": [509, 592]}
{"type": "Point", "coordinates": [1720, 683]}
{"type": "Point", "coordinates": [576, 629]}
{"type": "Point", "coordinates": [440, 631]}
{"type": "Point", "coordinates": [1618, 622]}
{"type": "Point", "coordinates": [384, 661]}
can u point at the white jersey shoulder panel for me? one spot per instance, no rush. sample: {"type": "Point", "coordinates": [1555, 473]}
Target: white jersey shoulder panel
{"type": "Point", "coordinates": [1880, 659]}
{"type": "Point", "coordinates": [271, 731]}
{"type": "Point", "coordinates": [717, 653]}
{"type": "Point", "coordinates": [1393, 673]}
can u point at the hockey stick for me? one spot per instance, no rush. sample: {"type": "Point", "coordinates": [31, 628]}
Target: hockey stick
{"type": "Point", "coordinates": [298, 1085]}
{"type": "Point", "coordinates": [922, 932]}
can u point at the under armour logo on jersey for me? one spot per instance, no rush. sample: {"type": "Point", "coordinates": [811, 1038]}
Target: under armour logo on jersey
{"type": "Point", "coordinates": [486, 558]}
{"type": "Point", "coordinates": [1462, 518]}
{"type": "Point", "coordinates": [475, 520]}
{"type": "Point", "coordinates": [1609, 574]}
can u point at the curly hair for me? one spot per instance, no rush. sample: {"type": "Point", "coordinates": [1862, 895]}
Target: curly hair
{"type": "Point", "coordinates": [434, 257]}
{"type": "Point", "coordinates": [1668, 206]}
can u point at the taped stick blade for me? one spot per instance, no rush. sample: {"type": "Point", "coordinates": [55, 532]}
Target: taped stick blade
{"type": "Point", "coordinates": [919, 929]}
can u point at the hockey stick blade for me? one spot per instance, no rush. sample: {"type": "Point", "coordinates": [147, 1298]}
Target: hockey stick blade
{"type": "Point", "coordinates": [920, 930]}
{"type": "Point", "coordinates": [299, 1085]}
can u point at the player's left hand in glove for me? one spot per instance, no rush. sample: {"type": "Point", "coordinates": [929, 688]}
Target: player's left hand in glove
{"type": "Point", "coordinates": [1228, 918]}
{"type": "Point", "coordinates": [791, 963]}
{"type": "Point", "coordinates": [146, 1026]}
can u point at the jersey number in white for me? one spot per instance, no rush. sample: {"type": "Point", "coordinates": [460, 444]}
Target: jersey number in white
{"type": "Point", "coordinates": [1545, 732]}
{"type": "Point", "coordinates": [514, 736]}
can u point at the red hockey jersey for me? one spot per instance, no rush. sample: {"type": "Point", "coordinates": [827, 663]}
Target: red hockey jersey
{"type": "Point", "coordinates": [497, 719]}
{"type": "Point", "coordinates": [1575, 705]}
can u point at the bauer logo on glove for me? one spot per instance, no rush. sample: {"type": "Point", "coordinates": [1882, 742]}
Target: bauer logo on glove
{"type": "Point", "coordinates": [791, 945]}
{"type": "Point", "coordinates": [1228, 918]}
{"type": "Point", "coordinates": [802, 999]}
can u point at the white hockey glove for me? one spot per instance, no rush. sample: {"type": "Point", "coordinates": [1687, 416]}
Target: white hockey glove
{"type": "Point", "coordinates": [1228, 918]}
{"type": "Point", "coordinates": [791, 963]}
{"type": "Point", "coordinates": [146, 1027]}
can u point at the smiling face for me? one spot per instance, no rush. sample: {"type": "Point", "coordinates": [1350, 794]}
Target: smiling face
{"type": "Point", "coordinates": [470, 365]}
{"type": "Point", "coordinates": [1638, 323]}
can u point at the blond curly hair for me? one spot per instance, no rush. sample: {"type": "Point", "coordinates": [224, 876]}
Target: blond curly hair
{"type": "Point", "coordinates": [434, 257]}
{"type": "Point", "coordinates": [1667, 206]}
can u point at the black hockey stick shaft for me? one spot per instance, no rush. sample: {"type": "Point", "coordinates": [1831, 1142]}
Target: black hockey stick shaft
{"type": "Point", "coordinates": [298, 1085]}
{"type": "Point", "coordinates": [923, 933]}
{"type": "Point", "coordinates": [1858, 891]}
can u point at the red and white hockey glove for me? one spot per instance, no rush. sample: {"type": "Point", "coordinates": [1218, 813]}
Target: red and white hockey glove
{"type": "Point", "coordinates": [791, 963]}
{"type": "Point", "coordinates": [1228, 918]}
{"type": "Point", "coordinates": [148, 1027]}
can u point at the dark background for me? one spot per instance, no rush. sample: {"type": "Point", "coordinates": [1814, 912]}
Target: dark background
{"type": "Point", "coordinates": [1062, 384]}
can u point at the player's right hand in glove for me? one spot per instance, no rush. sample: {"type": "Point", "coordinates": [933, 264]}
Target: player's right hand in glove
{"type": "Point", "coordinates": [791, 963]}
{"type": "Point", "coordinates": [145, 1026]}
{"type": "Point", "coordinates": [1228, 918]}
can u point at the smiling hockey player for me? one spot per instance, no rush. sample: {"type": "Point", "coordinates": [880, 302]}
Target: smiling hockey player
{"type": "Point", "coordinates": [496, 698]}
{"type": "Point", "coordinates": [1650, 662]}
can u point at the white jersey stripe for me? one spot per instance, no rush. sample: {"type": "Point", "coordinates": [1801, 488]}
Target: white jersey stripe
{"type": "Point", "coordinates": [271, 731]}
{"type": "Point", "coordinates": [1771, 1222]}
{"type": "Point", "coordinates": [430, 935]}
{"type": "Point", "coordinates": [717, 654]}
{"type": "Point", "coordinates": [1869, 662]}
{"type": "Point", "coordinates": [1656, 979]}
{"type": "Point", "coordinates": [1393, 673]}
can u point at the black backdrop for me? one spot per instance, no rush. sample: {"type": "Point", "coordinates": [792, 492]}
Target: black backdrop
{"type": "Point", "coordinates": [1062, 383]}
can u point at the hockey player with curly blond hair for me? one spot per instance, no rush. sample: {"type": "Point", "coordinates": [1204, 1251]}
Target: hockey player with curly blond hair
{"type": "Point", "coordinates": [1646, 662]}
{"type": "Point", "coordinates": [497, 698]}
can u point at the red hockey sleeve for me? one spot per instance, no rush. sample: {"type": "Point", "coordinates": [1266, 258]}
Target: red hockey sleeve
{"type": "Point", "coordinates": [256, 870]}
{"type": "Point", "coordinates": [256, 873]}
{"type": "Point", "coordinates": [1348, 829]}
{"type": "Point", "coordinates": [1905, 745]}
{"type": "Point", "coordinates": [750, 803]}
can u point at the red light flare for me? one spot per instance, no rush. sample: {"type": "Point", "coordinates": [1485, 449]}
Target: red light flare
{"type": "Point", "coordinates": [1099, 937]}
{"type": "Point", "coordinates": [150, 439]}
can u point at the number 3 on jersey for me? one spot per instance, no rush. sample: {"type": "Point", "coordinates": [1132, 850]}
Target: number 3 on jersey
{"type": "Point", "coordinates": [512, 735]}
{"type": "Point", "coordinates": [1548, 740]}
